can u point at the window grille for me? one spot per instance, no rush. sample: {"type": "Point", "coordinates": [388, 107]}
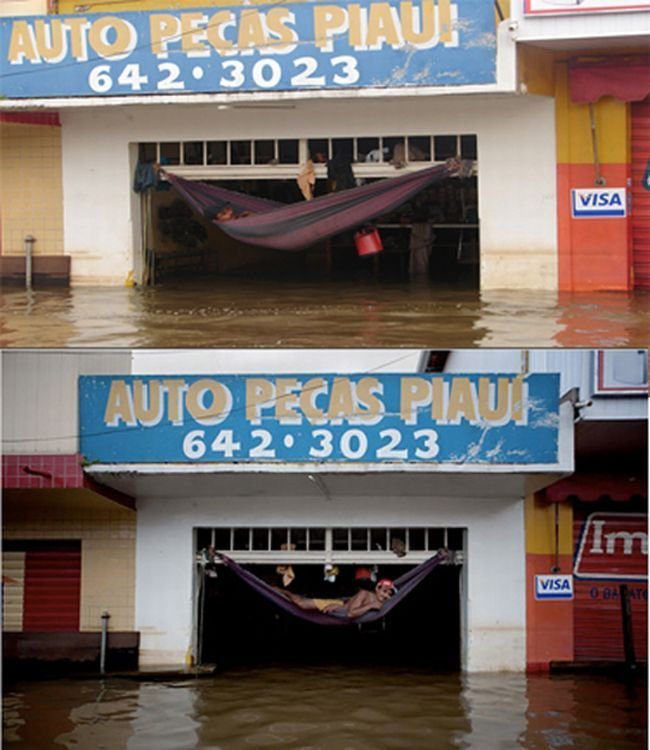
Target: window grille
{"type": "Point", "coordinates": [375, 153]}
{"type": "Point", "coordinates": [336, 543]}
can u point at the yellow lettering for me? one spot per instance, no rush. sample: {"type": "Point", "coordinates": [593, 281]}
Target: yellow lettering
{"type": "Point", "coordinates": [328, 19]}
{"type": "Point", "coordinates": [341, 401]}
{"type": "Point", "coordinates": [147, 402]}
{"type": "Point", "coordinates": [286, 400]}
{"type": "Point", "coordinates": [461, 401]}
{"type": "Point", "coordinates": [120, 46]}
{"type": "Point", "coordinates": [354, 35]}
{"type": "Point", "coordinates": [427, 24]}
{"type": "Point", "coordinates": [437, 399]}
{"type": "Point", "coordinates": [367, 398]}
{"type": "Point", "coordinates": [162, 28]}
{"type": "Point", "coordinates": [310, 390]}
{"type": "Point", "coordinates": [50, 40]}
{"type": "Point", "coordinates": [276, 19]}
{"type": "Point", "coordinates": [444, 20]}
{"type": "Point", "coordinates": [414, 392]}
{"type": "Point", "coordinates": [119, 405]}
{"type": "Point", "coordinates": [381, 25]}
{"type": "Point", "coordinates": [190, 32]}
{"type": "Point", "coordinates": [175, 390]}
{"type": "Point", "coordinates": [517, 399]}
{"type": "Point", "coordinates": [498, 411]}
{"type": "Point", "coordinates": [259, 392]}
{"type": "Point", "coordinates": [77, 25]}
{"type": "Point", "coordinates": [251, 32]}
{"type": "Point", "coordinates": [215, 30]}
{"type": "Point", "coordinates": [215, 411]}
{"type": "Point", "coordinates": [22, 43]}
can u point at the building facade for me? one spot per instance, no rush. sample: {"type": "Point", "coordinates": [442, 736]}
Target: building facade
{"type": "Point", "coordinates": [323, 83]}
{"type": "Point", "coordinates": [132, 507]}
{"type": "Point", "coordinates": [568, 522]}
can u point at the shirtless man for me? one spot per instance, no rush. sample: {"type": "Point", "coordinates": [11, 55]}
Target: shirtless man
{"type": "Point", "coordinates": [355, 606]}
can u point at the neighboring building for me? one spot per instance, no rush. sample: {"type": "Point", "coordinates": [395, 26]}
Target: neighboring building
{"type": "Point", "coordinates": [492, 87]}
{"type": "Point", "coordinates": [68, 544]}
{"type": "Point", "coordinates": [592, 525]}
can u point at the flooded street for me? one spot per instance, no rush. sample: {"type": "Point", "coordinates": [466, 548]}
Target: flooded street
{"type": "Point", "coordinates": [240, 312]}
{"type": "Point", "coordinates": [329, 708]}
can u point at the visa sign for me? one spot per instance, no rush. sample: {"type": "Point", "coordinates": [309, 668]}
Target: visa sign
{"type": "Point", "coordinates": [553, 587]}
{"type": "Point", "coordinates": [598, 203]}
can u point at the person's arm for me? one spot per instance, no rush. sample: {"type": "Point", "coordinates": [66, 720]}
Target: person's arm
{"type": "Point", "coordinates": [362, 602]}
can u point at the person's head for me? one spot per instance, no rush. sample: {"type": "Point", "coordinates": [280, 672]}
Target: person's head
{"type": "Point", "coordinates": [384, 589]}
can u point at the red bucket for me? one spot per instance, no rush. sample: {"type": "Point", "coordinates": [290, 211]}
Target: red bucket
{"type": "Point", "coordinates": [368, 241]}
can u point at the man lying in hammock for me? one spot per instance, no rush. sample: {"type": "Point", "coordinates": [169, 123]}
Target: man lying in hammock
{"type": "Point", "coordinates": [363, 601]}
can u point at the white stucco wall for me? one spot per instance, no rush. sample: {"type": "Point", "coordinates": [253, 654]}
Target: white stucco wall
{"type": "Point", "coordinates": [516, 157]}
{"type": "Point", "coordinates": [494, 559]}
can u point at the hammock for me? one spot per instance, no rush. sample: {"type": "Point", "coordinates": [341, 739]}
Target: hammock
{"type": "Point", "coordinates": [298, 225]}
{"type": "Point", "coordinates": [405, 584]}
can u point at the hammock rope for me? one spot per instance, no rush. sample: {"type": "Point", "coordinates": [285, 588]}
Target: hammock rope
{"type": "Point", "coordinates": [298, 225]}
{"type": "Point", "coordinates": [404, 584]}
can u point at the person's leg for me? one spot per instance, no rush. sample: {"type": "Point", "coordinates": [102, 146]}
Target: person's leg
{"type": "Point", "coordinates": [301, 601]}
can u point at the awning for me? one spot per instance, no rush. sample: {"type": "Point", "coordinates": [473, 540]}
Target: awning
{"type": "Point", "coordinates": [626, 78]}
{"type": "Point", "coordinates": [589, 488]}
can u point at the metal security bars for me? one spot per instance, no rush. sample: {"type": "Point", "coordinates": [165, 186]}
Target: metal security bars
{"type": "Point", "coordinates": [341, 544]}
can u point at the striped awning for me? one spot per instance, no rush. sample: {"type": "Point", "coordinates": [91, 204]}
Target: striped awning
{"type": "Point", "coordinates": [590, 488]}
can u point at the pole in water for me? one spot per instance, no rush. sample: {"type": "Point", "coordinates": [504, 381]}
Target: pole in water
{"type": "Point", "coordinates": [29, 251]}
{"type": "Point", "coordinates": [628, 635]}
{"type": "Point", "coordinates": [104, 642]}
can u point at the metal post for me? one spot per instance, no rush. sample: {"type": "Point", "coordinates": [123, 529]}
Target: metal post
{"type": "Point", "coordinates": [628, 635]}
{"type": "Point", "coordinates": [104, 642]}
{"type": "Point", "coordinates": [29, 251]}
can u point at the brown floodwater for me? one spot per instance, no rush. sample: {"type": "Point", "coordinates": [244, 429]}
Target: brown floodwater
{"type": "Point", "coordinates": [332, 313]}
{"type": "Point", "coordinates": [329, 708]}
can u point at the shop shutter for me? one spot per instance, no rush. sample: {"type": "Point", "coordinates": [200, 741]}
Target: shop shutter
{"type": "Point", "coordinates": [13, 590]}
{"type": "Point", "coordinates": [52, 587]}
{"type": "Point", "coordinates": [598, 625]}
{"type": "Point", "coordinates": [641, 193]}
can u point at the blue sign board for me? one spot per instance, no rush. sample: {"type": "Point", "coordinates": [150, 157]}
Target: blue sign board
{"type": "Point", "coordinates": [459, 419]}
{"type": "Point", "coordinates": [274, 47]}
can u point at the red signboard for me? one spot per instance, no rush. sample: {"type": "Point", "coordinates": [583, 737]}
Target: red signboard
{"type": "Point", "coordinates": [613, 546]}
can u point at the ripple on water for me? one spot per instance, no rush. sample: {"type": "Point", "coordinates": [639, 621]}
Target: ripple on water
{"type": "Point", "coordinates": [246, 312]}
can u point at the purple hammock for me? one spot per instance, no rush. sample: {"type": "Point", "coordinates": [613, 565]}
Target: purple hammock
{"type": "Point", "coordinates": [404, 584]}
{"type": "Point", "coordinates": [298, 225]}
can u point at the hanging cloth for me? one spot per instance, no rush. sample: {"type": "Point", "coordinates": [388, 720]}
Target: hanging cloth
{"type": "Point", "coordinates": [404, 584]}
{"type": "Point", "coordinates": [298, 225]}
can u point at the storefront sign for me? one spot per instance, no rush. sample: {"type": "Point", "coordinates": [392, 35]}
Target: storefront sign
{"type": "Point", "coordinates": [553, 587]}
{"type": "Point", "coordinates": [555, 7]}
{"type": "Point", "coordinates": [613, 546]}
{"type": "Point", "coordinates": [598, 203]}
{"type": "Point", "coordinates": [460, 419]}
{"type": "Point", "coordinates": [287, 47]}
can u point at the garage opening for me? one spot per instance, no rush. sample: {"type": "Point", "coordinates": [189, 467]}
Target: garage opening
{"type": "Point", "coordinates": [433, 237]}
{"type": "Point", "coordinates": [235, 626]}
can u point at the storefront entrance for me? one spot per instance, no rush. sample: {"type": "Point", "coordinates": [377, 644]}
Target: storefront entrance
{"type": "Point", "coordinates": [434, 236]}
{"type": "Point", "coordinates": [236, 625]}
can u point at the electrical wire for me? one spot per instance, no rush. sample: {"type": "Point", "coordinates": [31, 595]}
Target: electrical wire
{"type": "Point", "coordinates": [118, 430]}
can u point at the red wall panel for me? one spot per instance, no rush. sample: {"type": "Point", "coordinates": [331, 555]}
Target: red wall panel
{"type": "Point", "coordinates": [52, 588]}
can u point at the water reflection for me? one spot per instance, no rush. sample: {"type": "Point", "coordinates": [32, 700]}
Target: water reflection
{"type": "Point", "coordinates": [329, 709]}
{"type": "Point", "coordinates": [236, 312]}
